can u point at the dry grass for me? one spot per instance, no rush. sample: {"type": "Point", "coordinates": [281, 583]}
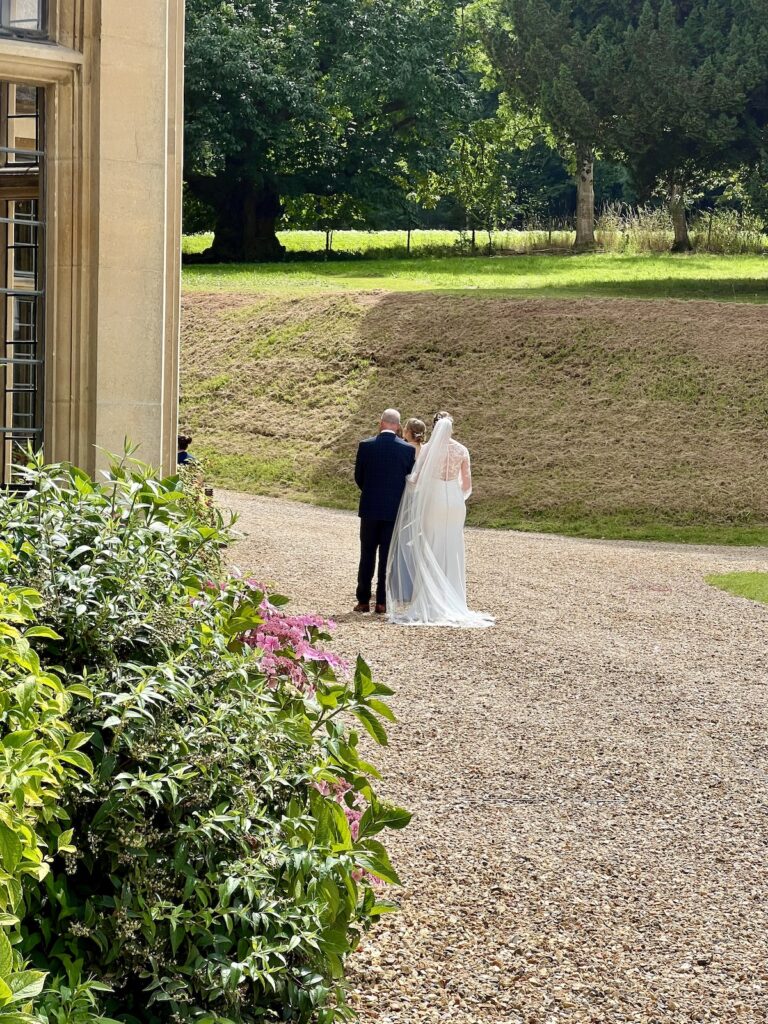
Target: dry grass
{"type": "Point", "coordinates": [583, 411]}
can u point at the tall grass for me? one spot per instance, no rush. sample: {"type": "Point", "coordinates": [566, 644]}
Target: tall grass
{"type": "Point", "coordinates": [622, 228]}
{"type": "Point", "coordinates": [728, 232]}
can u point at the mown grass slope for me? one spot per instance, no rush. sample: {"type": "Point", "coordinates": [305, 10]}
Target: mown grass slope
{"type": "Point", "coordinates": [595, 417]}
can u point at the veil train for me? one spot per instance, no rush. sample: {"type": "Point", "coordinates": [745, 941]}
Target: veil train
{"type": "Point", "coordinates": [425, 571]}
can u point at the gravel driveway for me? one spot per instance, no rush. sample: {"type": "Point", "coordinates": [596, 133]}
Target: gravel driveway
{"type": "Point", "coordinates": [590, 840]}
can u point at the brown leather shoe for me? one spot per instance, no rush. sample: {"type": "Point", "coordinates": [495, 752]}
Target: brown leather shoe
{"type": "Point", "coordinates": [362, 607]}
{"type": "Point", "coordinates": [381, 609]}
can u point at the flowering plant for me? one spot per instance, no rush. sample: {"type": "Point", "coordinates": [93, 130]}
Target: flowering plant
{"type": "Point", "coordinates": [225, 853]}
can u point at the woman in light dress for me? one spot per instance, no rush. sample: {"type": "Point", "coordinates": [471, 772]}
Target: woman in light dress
{"type": "Point", "coordinates": [426, 581]}
{"type": "Point", "coordinates": [415, 433]}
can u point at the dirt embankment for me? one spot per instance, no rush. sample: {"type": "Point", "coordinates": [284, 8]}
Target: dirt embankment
{"type": "Point", "coordinates": [651, 411]}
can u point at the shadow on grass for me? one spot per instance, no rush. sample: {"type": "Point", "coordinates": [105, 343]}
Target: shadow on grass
{"type": "Point", "coordinates": [420, 367]}
{"type": "Point", "coordinates": [525, 276]}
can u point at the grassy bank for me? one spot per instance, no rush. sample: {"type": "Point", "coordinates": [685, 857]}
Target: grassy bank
{"type": "Point", "coordinates": [590, 417]}
{"type": "Point", "coordinates": [726, 278]}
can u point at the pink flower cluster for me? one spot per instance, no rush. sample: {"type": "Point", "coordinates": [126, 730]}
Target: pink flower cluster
{"type": "Point", "coordinates": [290, 643]}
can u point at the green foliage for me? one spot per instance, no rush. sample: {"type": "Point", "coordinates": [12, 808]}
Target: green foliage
{"type": "Point", "coordinates": [39, 755]}
{"type": "Point", "coordinates": [294, 98]}
{"type": "Point", "coordinates": [331, 213]}
{"type": "Point", "coordinates": [548, 55]}
{"type": "Point", "coordinates": [676, 90]}
{"type": "Point", "coordinates": [227, 844]}
{"type": "Point", "coordinates": [111, 560]}
{"type": "Point", "coordinates": [686, 78]}
{"type": "Point", "coordinates": [476, 175]}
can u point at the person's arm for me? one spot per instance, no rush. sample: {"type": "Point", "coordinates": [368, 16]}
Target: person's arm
{"type": "Point", "coordinates": [466, 476]}
{"type": "Point", "coordinates": [359, 474]}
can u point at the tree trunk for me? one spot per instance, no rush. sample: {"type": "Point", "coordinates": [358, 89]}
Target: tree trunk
{"type": "Point", "coordinates": [585, 200]}
{"type": "Point", "coordinates": [682, 242]}
{"type": "Point", "coordinates": [246, 219]}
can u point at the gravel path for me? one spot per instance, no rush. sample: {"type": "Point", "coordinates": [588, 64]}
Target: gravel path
{"type": "Point", "coordinates": [590, 840]}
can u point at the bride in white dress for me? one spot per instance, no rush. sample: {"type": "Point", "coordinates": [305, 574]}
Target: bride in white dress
{"type": "Point", "coordinates": [426, 583]}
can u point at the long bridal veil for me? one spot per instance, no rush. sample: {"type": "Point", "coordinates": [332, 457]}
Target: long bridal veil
{"type": "Point", "coordinates": [425, 571]}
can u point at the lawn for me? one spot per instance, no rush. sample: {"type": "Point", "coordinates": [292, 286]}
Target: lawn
{"type": "Point", "coordinates": [752, 585]}
{"type": "Point", "coordinates": [649, 276]}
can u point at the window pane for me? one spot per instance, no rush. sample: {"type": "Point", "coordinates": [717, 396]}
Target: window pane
{"type": "Point", "coordinates": [23, 15]}
{"type": "Point", "coordinates": [21, 252]}
{"type": "Point", "coordinates": [26, 100]}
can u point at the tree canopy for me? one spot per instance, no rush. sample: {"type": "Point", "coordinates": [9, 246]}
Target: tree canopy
{"type": "Point", "coordinates": [345, 110]}
{"type": "Point", "coordinates": [686, 81]}
{"type": "Point", "coordinates": [675, 89]}
{"type": "Point", "coordinates": [327, 97]}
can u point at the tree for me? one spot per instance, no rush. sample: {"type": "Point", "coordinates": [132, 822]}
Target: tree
{"type": "Point", "coordinates": [476, 176]}
{"type": "Point", "coordinates": [548, 56]}
{"type": "Point", "coordinates": [687, 82]}
{"type": "Point", "coordinates": [296, 97]}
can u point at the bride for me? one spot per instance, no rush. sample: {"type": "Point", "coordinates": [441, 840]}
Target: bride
{"type": "Point", "coordinates": [426, 583]}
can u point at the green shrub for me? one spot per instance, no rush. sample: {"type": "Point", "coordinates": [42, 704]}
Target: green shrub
{"type": "Point", "coordinates": [227, 844]}
{"type": "Point", "coordinates": [39, 755]}
{"type": "Point", "coordinates": [113, 560]}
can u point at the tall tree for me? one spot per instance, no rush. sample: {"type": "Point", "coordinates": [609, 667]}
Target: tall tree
{"type": "Point", "coordinates": [548, 56]}
{"type": "Point", "coordinates": [295, 97]}
{"type": "Point", "coordinates": [687, 84]}
{"type": "Point", "coordinates": [476, 175]}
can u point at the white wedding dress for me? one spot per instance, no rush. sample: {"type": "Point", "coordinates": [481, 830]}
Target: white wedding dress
{"type": "Point", "coordinates": [426, 582]}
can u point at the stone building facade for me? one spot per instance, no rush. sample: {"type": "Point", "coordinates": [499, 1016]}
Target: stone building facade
{"type": "Point", "coordinates": [91, 100]}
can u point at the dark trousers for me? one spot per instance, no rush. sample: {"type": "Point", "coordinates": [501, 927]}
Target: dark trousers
{"type": "Point", "coordinates": [375, 538]}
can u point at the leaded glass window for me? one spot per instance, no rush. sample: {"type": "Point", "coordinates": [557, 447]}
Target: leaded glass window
{"type": "Point", "coordinates": [24, 17]}
{"type": "Point", "coordinates": [22, 294]}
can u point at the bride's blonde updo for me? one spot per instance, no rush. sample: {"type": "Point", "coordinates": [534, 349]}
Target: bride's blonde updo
{"type": "Point", "coordinates": [417, 429]}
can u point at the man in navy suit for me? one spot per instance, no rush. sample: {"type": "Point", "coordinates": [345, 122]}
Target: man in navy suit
{"type": "Point", "coordinates": [383, 463]}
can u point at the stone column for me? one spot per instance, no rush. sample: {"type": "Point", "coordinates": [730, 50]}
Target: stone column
{"type": "Point", "coordinates": [137, 118]}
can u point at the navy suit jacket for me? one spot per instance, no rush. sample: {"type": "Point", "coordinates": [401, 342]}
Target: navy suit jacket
{"type": "Point", "coordinates": [382, 464]}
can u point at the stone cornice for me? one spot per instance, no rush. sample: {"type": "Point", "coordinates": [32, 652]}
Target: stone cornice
{"type": "Point", "coordinates": [42, 63]}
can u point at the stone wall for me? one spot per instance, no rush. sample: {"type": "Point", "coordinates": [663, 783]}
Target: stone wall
{"type": "Point", "coordinates": [113, 203]}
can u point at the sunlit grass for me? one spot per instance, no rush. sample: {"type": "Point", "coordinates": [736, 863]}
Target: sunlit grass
{"type": "Point", "coordinates": [752, 585]}
{"type": "Point", "coordinates": [735, 278]}
{"type": "Point", "coordinates": [394, 243]}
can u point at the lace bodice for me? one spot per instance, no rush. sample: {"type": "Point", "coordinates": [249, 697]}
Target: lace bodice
{"type": "Point", "coordinates": [455, 466]}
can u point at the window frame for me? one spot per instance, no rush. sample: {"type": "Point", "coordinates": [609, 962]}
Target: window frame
{"type": "Point", "coordinates": [36, 34]}
{"type": "Point", "coordinates": [22, 358]}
